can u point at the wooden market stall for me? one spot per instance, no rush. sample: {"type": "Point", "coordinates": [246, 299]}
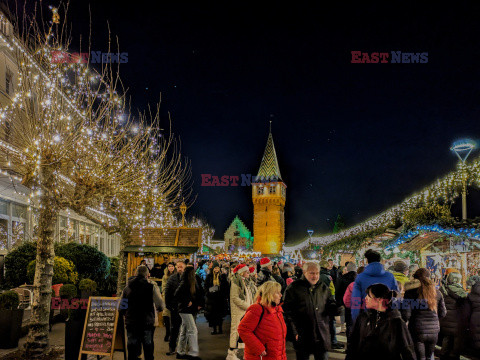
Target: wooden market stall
{"type": "Point", "coordinates": [439, 252]}
{"type": "Point", "coordinates": [162, 245]}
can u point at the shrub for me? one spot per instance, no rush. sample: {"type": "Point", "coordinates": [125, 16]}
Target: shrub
{"type": "Point", "coordinates": [69, 291]}
{"type": "Point", "coordinates": [63, 271]}
{"type": "Point", "coordinates": [16, 262]}
{"type": "Point", "coordinates": [109, 286]}
{"type": "Point", "coordinates": [9, 300]}
{"type": "Point", "coordinates": [89, 262]}
{"type": "Point", "coordinates": [87, 285]}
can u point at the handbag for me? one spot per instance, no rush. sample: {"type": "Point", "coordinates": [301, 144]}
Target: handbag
{"type": "Point", "coordinates": [259, 320]}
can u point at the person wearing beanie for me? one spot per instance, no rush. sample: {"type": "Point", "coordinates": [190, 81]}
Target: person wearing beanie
{"type": "Point", "coordinates": [474, 302]}
{"type": "Point", "coordinates": [400, 272]}
{"type": "Point", "coordinates": [216, 290]}
{"type": "Point", "coordinates": [242, 295]}
{"type": "Point", "coordinates": [265, 274]}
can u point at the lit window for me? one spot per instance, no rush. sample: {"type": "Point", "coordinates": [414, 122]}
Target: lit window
{"type": "Point", "coordinates": [260, 190]}
{"type": "Point", "coordinates": [272, 189]}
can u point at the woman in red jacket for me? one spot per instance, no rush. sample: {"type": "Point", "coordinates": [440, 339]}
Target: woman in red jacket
{"type": "Point", "coordinates": [263, 328]}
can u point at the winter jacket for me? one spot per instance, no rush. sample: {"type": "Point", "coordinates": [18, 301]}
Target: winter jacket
{"type": "Point", "coordinates": [267, 334]}
{"type": "Point", "coordinates": [141, 296]}
{"type": "Point", "coordinates": [347, 298]}
{"type": "Point", "coordinates": [307, 310]}
{"type": "Point", "coordinates": [401, 278]}
{"type": "Point", "coordinates": [183, 297]}
{"type": "Point", "coordinates": [421, 320]}
{"type": "Point", "coordinates": [474, 300]}
{"type": "Point", "coordinates": [454, 323]}
{"type": "Point", "coordinates": [265, 275]}
{"type": "Point", "coordinates": [325, 276]}
{"type": "Point", "coordinates": [170, 288]}
{"type": "Point", "coordinates": [374, 273]}
{"type": "Point", "coordinates": [216, 301]}
{"type": "Point", "coordinates": [380, 335]}
{"type": "Point", "coordinates": [342, 285]}
{"type": "Point", "coordinates": [239, 303]}
{"type": "Point", "coordinates": [165, 278]}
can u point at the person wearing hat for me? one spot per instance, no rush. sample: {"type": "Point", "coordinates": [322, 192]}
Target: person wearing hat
{"type": "Point", "coordinates": [474, 300]}
{"type": "Point", "coordinates": [242, 295]}
{"type": "Point", "coordinates": [253, 273]}
{"type": "Point", "coordinates": [400, 273]}
{"type": "Point", "coordinates": [454, 325]}
{"type": "Point", "coordinates": [265, 274]}
{"type": "Point", "coordinates": [216, 290]}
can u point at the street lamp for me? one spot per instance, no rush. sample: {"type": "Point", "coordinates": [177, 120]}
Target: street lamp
{"type": "Point", "coordinates": [463, 148]}
{"type": "Point", "coordinates": [183, 210]}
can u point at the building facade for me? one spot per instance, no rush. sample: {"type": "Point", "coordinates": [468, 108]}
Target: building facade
{"type": "Point", "coordinates": [17, 213]}
{"type": "Point", "coordinates": [269, 195]}
{"type": "Point", "coordinates": [237, 236]}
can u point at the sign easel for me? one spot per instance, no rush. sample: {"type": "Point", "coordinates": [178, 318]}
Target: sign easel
{"type": "Point", "coordinates": [100, 328]}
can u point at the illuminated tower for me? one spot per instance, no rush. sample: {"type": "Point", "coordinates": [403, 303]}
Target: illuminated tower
{"type": "Point", "coordinates": [268, 194]}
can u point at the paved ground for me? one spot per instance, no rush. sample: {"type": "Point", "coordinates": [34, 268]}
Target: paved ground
{"type": "Point", "coordinates": [212, 347]}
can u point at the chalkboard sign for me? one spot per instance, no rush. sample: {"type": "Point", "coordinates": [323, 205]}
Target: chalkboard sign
{"type": "Point", "coordinates": [100, 326]}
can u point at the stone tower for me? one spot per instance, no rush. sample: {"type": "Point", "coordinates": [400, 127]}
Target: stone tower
{"type": "Point", "coordinates": [268, 194]}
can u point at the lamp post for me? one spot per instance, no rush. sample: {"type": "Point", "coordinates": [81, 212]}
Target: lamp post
{"type": "Point", "coordinates": [463, 148]}
{"type": "Point", "coordinates": [183, 210]}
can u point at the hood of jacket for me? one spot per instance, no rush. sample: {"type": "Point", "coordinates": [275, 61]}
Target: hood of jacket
{"type": "Point", "coordinates": [401, 277]}
{"type": "Point", "coordinates": [410, 285]}
{"type": "Point", "coordinates": [349, 276]}
{"type": "Point", "coordinates": [374, 269]}
{"type": "Point", "coordinates": [455, 291]}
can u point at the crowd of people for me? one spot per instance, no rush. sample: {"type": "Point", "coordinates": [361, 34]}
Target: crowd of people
{"type": "Point", "coordinates": [399, 313]}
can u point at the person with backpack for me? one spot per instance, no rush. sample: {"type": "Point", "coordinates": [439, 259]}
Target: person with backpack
{"type": "Point", "coordinates": [454, 325]}
{"type": "Point", "coordinates": [379, 333]}
{"type": "Point", "coordinates": [423, 306]}
{"type": "Point", "coordinates": [263, 329]}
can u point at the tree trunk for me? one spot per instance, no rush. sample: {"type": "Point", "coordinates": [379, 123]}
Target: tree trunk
{"type": "Point", "coordinates": [37, 340]}
{"type": "Point", "coordinates": [122, 265]}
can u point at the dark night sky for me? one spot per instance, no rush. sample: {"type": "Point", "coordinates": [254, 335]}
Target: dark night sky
{"type": "Point", "coordinates": [350, 138]}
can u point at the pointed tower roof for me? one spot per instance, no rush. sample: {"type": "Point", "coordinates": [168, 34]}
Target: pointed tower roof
{"type": "Point", "coordinates": [269, 166]}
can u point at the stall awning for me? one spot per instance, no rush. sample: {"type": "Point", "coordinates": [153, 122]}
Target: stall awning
{"type": "Point", "coordinates": [421, 241]}
{"type": "Point", "coordinates": [162, 249]}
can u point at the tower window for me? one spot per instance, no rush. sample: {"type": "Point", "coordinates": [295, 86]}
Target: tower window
{"type": "Point", "coordinates": [272, 190]}
{"type": "Point", "coordinates": [260, 190]}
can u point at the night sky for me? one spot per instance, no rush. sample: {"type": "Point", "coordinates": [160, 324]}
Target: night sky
{"type": "Point", "coordinates": [351, 139]}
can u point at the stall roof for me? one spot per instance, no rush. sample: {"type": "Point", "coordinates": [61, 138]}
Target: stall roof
{"type": "Point", "coordinates": [421, 241]}
{"type": "Point", "coordinates": [162, 249]}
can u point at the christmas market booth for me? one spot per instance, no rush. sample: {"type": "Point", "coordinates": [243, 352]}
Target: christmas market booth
{"type": "Point", "coordinates": [441, 248]}
{"type": "Point", "coordinates": [161, 245]}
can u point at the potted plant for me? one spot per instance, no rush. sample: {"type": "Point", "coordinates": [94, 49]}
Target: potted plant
{"type": "Point", "coordinates": [67, 292]}
{"type": "Point", "coordinates": [87, 288]}
{"type": "Point", "coordinates": [10, 320]}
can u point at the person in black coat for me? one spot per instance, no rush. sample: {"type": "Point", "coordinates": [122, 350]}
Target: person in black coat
{"type": "Point", "coordinates": [308, 304]}
{"type": "Point", "coordinates": [454, 325]}
{"type": "Point", "coordinates": [422, 307]}
{"type": "Point", "coordinates": [341, 288]}
{"type": "Point", "coordinates": [172, 305]}
{"type": "Point", "coordinates": [189, 297]}
{"type": "Point", "coordinates": [216, 297]}
{"type": "Point", "coordinates": [474, 300]}
{"type": "Point", "coordinates": [380, 333]}
{"type": "Point", "coordinates": [265, 274]}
